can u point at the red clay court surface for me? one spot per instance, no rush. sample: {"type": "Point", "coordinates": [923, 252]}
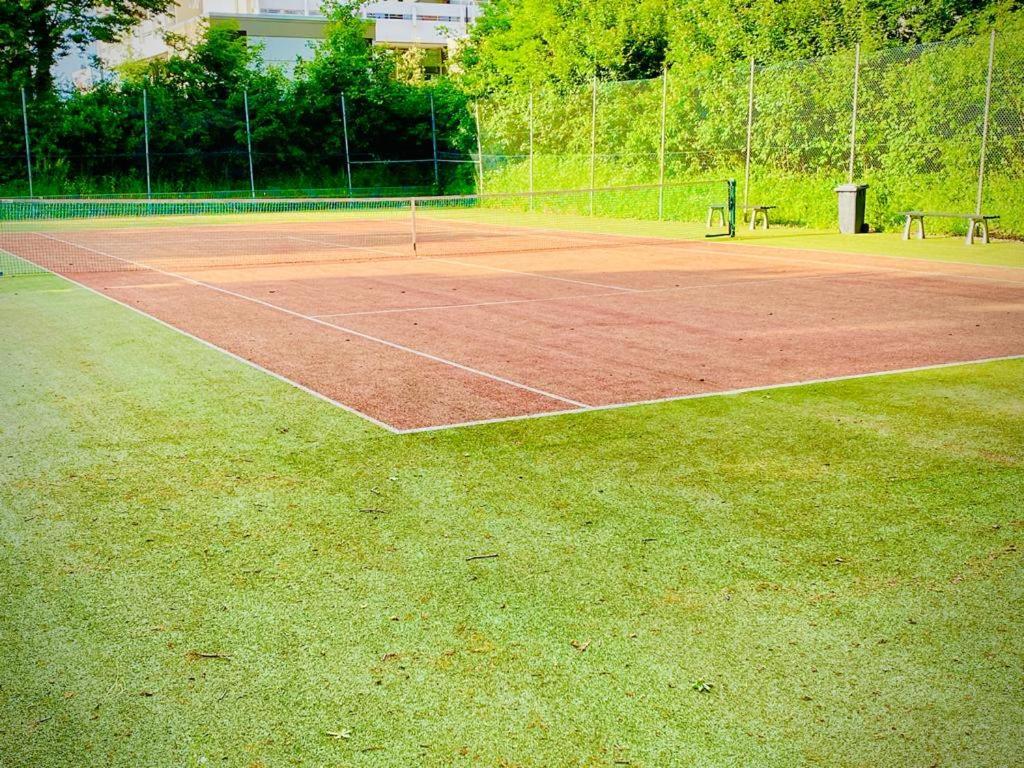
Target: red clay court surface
{"type": "Point", "coordinates": [422, 343]}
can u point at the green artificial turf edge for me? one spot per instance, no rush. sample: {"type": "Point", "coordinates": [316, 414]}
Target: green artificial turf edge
{"type": "Point", "coordinates": [203, 565]}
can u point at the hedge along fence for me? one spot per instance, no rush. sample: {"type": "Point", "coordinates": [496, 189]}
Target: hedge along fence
{"type": "Point", "coordinates": [127, 139]}
{"type": "Point", "coordinates": [917, 138]}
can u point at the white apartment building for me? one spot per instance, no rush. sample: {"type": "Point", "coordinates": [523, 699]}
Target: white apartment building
{"type": "Point", "coordinates": [286, 28]}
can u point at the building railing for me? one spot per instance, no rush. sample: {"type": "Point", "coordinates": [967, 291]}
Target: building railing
{"type": "Point", "coordinates": [382, 9]}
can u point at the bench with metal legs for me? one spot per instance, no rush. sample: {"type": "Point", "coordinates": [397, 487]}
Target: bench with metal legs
{"type": "Point", "coordinates": [977, 223]}
{"type": "Point", "coordinates": [718, 210]}
{"type": "Point", "coordinates": [758, 210]}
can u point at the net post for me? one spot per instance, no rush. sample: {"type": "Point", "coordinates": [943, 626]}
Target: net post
{"type": "Point", "coordinates": [853, 112]}
{"type": "Point", "coordinates": [344, 133]}
{"type": "Point", "coordinates": [661, 142]}
{"type": "Point", "coordinates": [433, 141]}
{"type": "Point", "coordinates": [985, 121]}
{"type": "Point", "coordinates": [732, 206]}
{"type": "Point", "coordinates": [531, 146]}
{"type": "Point", "coordinates": [412, 212]}
{"type": "Point", "coordinates": [248, 143]}
{"type": "Point", "coordinates": [750, 133]}
{"type": "Point", "coordinates": [28, 144]}
{"type": "Point", "coordinates": [145, 139]}
{"type": "Point", "coordinates": [479, 147]}
{"type": "Point", "coordinates": [593, 138]}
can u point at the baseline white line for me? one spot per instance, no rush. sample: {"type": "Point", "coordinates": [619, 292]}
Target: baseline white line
{"type": "Point", "coordinates": [334, 326]}
{"type": "Point", "coordinates": [608, 239]}
{"type": "Point", "coordinates": [351, 247]}
{"type": "Point", "coordinates": [702, 395]}
{"type": "Point", "coordinates": [890, 256]}
{"type": "Point", "coordinates": [700, 241]}
{"type": "Point", "coordinates": [239, 358]}
{"type": "Point", "coordinates": [528, 274]}
{"type": "Point", "coordinates": [604, 294]}
{"type": "Point", "coordinates": [860, 267]}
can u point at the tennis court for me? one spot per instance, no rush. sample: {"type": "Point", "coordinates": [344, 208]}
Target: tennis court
{"type": "Point", "coordinates": [447, 311]}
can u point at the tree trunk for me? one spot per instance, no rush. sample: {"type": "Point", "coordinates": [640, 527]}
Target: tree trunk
{"type": "Point", "coordinates": [45, 37]}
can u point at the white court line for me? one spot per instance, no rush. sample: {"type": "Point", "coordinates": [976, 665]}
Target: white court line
{"type": "Point", "coordinates": [582, 408]}
{"type": "Point", "coordinates": [862, 267]}
{"type": "Point", "coordinates": [607, 239]}
{"type": "Point", "coordinates": [866, 255]}
{"type": "Point", "coordinates": [239, 358]}
{"type": "Point", "coordinates": [572, 297]}
{"type": "Point", "coordinates": [334, 326]}
{"type": "Point", "coordinates": [655, 240]}
{"type": "Point", "coordinates": [353, 247]}
{"type": "Point", "coordinates": [702, 395]}
{"type": "Point", "coordinates": [621, 288]}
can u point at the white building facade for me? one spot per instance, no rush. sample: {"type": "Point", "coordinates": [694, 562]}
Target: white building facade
{"type": "Point", "coordinates": [287, 29]}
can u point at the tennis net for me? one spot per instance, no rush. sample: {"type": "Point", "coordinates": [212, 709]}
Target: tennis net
{"type": "Point", "coordinates": [71, 236]}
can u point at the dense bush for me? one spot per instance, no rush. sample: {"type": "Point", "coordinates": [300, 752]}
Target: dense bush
{"type": "Point", "coordinates": [93, 142]}
{"type": "Point", "coordinates": [918, 143]}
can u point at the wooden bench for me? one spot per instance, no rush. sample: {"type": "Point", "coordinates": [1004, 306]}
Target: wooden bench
{"type": "Point", "coordinates": [975, 222]}
{"type": "Point", "coordinates": [719, 208]}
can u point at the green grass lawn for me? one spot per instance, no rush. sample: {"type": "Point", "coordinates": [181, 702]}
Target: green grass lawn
{"type": "Point", "coordinates": [202, 566]}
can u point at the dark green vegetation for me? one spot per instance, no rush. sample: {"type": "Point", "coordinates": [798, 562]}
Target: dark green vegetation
{"type": "Point", "coordinates": [204, 566]}
{"type": "Point", "coordinates": [94, 142]}
{"type": "Point", "coordinates": [524, 43]}
{"type": "Point", "coordinates": [35, 33]}
{"type": "Point", "coordinates": [921, 107]}
{"type": "Point", "coordinates": [918, 138]}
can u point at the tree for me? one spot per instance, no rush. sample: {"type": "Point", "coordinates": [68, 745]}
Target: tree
{"type": "Point", "coordinates": [35, 33]}
{"type": "Point", "coordinates": [520, 44]}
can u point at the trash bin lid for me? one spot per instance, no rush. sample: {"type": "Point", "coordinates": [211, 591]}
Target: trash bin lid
{"type": "Point", "coordinates": [851, 187]}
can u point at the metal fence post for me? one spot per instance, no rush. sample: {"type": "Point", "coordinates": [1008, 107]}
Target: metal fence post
{"type": "Point", "coordinates": [531, 148]}
{"type": "Point", "coordinates": [412, 215]}
{"type": "Point", "coordinates": [661, 143]}
{"type": "Point", "coordinates": [479, 147]}
{"type": "Point", "coordinates": [433, 141]}
{"type": "Point", "coordinates": [593, 138]}
{"type": "Point", "coordinates": [730, 203]}
{"type": "Point", "coordinates": [853, 113]}
{"type": "Point", "coordinates": [248, 143]}
{"type": "Point", "coordinates": [985, 119]}
{"type": "Point", "coordinates": [750, 134]}
{"type": "Point", "coordinates": [28, 146]}
{"type": "Point", "coordinates": [344, 133]}
{"type": "Point", "coordinates": [145, 138]}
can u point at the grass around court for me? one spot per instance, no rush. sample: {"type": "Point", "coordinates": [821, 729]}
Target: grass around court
{"type": "Point", "coordinates": [201, 565]}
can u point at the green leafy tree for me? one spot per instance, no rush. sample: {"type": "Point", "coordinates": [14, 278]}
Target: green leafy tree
{"type": "Point", "coordinates": [524, 43]}
{"type": "Point", "coordinates": [35, 33]}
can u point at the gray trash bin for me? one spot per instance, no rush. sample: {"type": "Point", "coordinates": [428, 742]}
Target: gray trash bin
{"type": "Point", "coordinates": [851, 207]}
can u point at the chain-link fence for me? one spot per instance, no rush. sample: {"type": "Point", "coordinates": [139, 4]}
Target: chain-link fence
{"type": "Point", "coordinates": [161, 142]}
{"type": "Point", "coordinates": [933, 127]}
{"type": "Point", "coordinates": [929, 127]}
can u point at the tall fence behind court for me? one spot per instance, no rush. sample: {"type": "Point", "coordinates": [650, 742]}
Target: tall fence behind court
{"type": "Point", "coordinates": [937, 127]}
{"type": "Point", "coordinates": [919, 124]}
